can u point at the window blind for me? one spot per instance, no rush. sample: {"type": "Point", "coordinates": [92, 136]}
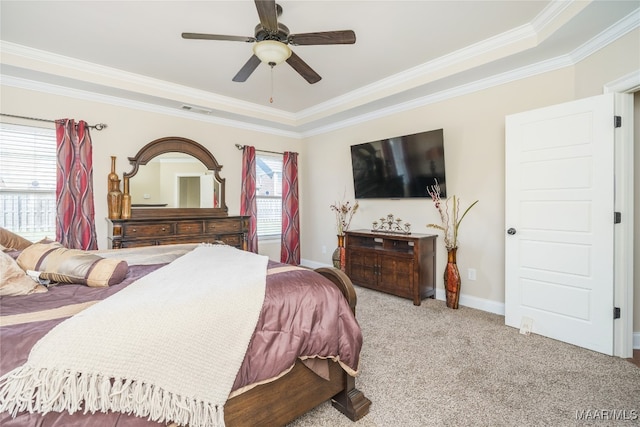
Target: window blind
{"type": "Point", "coordinates": [28, 180]}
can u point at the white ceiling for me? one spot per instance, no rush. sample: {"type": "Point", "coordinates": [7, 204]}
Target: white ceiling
{"type": "Point", "coordinates": [406, 51]}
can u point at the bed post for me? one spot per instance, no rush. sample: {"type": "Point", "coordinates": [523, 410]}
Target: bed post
{"type": "Point", "coordinates": [351, 401]}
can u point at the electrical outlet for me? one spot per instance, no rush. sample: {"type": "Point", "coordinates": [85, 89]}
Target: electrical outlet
{"type": "Point", "coordinates": [324, 249]}
{"type": "Point", "coordinates": [526, 324]}
{"type": "Point", "coordinates": [471, 274]}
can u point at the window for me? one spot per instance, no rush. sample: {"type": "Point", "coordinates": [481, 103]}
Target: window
{"type": "Point", "coordinates": [28, 181]}
{"type": "Point", "coordinates": [269, 194]}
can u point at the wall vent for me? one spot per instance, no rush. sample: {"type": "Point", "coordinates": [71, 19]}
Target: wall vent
{"type": "Point", "coordinates": [195, 109]}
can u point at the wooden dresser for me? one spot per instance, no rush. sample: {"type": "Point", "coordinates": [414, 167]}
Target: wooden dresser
{"type": "Point", "coordinates": [188, 228]}
{"type": "Point", "coordinates": [399, 264]}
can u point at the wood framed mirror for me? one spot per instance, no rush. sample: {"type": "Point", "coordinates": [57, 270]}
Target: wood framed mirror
{"type": "Point", "coordinates": [175, 177]}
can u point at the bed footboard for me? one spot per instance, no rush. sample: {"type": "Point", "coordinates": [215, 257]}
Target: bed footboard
{"type": "Point", "coordinates": [342, 281]}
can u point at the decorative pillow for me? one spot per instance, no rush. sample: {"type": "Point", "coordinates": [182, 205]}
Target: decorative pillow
{"type": "Point", "coordinates": [14, 281]}
{"type": "Point", "coordinates": [59, 264]}
{"type": "Point", "coordinates": [11, 241]}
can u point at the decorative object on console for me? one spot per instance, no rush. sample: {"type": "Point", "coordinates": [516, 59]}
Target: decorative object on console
{"type": "Point", "coordinates": [450, 224]}
{"type": "Point", "coordinates": [390, 224]}
{"type": "Point", "coordinates": [344, 213]}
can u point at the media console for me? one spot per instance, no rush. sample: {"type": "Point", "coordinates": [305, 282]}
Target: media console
{"type": "Point", "coordinates": [398, 264]}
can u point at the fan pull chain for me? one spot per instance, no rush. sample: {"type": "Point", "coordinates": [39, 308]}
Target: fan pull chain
{"type": "Point", "coordinates": [271, 96]}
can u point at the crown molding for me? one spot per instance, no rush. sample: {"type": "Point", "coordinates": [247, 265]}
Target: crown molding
{"type": "Point", "coordinates": [137, 105]}
{"type": "Point", "coordinates": [496, 80]}
{"type": "Point", "coordinates": [210, 100]}
{"type": "Point", "coordinates": [608, 36]}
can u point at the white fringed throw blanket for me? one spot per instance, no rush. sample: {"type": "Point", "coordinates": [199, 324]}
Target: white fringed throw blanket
{"type": "Point", "coordinates": [167, 347]}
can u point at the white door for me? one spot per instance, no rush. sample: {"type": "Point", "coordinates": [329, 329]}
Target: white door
{"type": "Point", "coordinates": [559, 222]}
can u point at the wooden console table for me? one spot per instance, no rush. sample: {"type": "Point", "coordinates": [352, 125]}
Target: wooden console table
{"type": "Point", "coordinates": [399, 264]}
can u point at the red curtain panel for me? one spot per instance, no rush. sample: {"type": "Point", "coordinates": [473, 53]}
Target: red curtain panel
{"type": "Point", "coordinates": [248, 204]}
{"type": "Point", "coordinates": [75, 217]}
{"type": "Point", "coordinates": [290, 250]}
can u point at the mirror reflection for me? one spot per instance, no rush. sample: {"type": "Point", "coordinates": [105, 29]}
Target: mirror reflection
{"type": "Point", "coordinates": [174, 180]}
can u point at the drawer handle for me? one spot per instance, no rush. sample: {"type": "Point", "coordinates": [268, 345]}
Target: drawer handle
{"type": "Point", "coordinates": [134, 230]}
{"type": "Point", "coordinates": [164, 229]}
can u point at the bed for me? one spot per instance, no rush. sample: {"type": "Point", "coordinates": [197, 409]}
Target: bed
{"type": "Point", "coordinates": [266, 390]}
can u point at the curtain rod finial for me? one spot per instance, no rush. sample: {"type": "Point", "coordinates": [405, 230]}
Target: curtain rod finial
{"type": "Point", "coordinates": [239, 147]}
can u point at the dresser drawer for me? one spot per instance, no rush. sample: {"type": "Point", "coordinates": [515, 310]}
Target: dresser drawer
{"type": "Point", "coordinates": [189, 227]}
{"type": "Point", "coordinates": [223, 226]}
{"type": "Point", "coordinates": [232, 240]}
{"type": "Point", "coordinates": [147, 230]}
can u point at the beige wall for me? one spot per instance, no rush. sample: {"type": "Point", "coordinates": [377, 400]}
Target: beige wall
{"type": "Point", "coordinates": [474, 143]}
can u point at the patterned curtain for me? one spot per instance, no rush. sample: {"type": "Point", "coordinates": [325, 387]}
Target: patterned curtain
{"type": "Point", "coordinates": [248, 195]}
{"type": "Point", "coordinates": [75, 217]}
{"type": "Point", "coordinates": [290, 250]}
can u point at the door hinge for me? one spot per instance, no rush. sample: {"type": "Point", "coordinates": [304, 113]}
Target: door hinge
{"type": "Point", "coordinates": [616, 312]}
{"type": "Point", "coordinates": [617, 121]}
{"type": "Point", "coordinates": [617, 217]}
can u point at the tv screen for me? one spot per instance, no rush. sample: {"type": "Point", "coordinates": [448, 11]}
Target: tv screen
{"type": "Point", "coordinates": [399, 167]}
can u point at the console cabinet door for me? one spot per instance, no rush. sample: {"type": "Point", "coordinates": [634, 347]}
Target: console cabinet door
{"type": "Point", "coordinates": [396, 274]}
{"type": "Point", "coordinates": [362, 267]}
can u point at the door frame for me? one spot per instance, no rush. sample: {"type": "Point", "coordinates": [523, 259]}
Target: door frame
{"type": "Point", "coordinates": [624, 88]}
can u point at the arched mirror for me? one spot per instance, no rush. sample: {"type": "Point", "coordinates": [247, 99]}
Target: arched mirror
{"type": "Point", "coordinates": [175, 176]}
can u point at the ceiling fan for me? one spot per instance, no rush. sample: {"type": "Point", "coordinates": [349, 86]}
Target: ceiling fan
{"type": "Point", "coordinates": [272, 39]}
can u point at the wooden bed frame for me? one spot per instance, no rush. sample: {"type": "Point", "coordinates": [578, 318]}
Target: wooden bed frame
{"type": "Point", "coordinates": [281, 401]}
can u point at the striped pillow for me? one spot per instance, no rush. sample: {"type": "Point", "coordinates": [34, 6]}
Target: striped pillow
{"type": "Point", "coordinates": [59, 264]}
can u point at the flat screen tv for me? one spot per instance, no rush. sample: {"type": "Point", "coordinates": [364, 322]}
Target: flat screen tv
{"type": "Point", "coordinates": [399, 167]}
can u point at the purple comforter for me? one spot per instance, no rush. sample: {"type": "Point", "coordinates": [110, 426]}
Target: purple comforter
{"type": "Point", "coordinates": [304, 316]}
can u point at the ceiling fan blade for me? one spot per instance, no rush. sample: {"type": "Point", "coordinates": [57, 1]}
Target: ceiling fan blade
{"type": "Point", "coordinates": [268, 15]}
{"type": "Point", "coordinates": [325, 37]}
{"type": "Point", "coordinates": [197, 36]}
{"type": "Point", "coordinates": [247, 69]}
{"type": "Point", "coordinates": [303, 69]}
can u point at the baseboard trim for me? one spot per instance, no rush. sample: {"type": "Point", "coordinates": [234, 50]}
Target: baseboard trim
{"type": "Point", "coordinates": [636, 340]}
{"type": "Point", "coordinates": [475, 302]}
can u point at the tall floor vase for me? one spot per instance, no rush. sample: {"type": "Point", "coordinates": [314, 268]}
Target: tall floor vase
{"type": "Point", "coordinates": [338, 256]}
{"type": "Point", "coordinates": [452, 279]}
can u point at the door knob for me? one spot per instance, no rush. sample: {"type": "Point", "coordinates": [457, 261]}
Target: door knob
{"type": "Point", "coordinates": [511, 231]}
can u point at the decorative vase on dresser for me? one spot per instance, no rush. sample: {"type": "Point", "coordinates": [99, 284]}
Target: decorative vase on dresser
{"type": "Point", "coordinates": [126, 199]}
{"type": "Point", "coordinates": [452, 279]}
{"type": "Point", "coordinates": [114, 200]}
{"type": "Point", "coordinates": [114, 195]}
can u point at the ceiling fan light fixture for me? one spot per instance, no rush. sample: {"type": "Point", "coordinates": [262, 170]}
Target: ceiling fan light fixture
{"type": "Point", "coordinates": [271, 51]}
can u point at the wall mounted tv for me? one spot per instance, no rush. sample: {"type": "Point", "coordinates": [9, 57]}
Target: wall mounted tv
{"type": "Point", "coordinates": [399, 167]}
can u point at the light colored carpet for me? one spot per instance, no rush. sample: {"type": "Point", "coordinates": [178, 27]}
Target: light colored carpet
{"type": "Point", "coordinates": [433, 366]}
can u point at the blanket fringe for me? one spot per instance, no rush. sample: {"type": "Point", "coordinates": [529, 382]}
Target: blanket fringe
{"type": "Point", "coordinates": [51, 390]}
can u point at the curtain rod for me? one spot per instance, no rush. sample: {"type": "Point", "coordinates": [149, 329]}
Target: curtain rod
{"type": "Point", "coordinates": [241, 147]}
{"type": "Point", "coordinates": [98, 127]}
